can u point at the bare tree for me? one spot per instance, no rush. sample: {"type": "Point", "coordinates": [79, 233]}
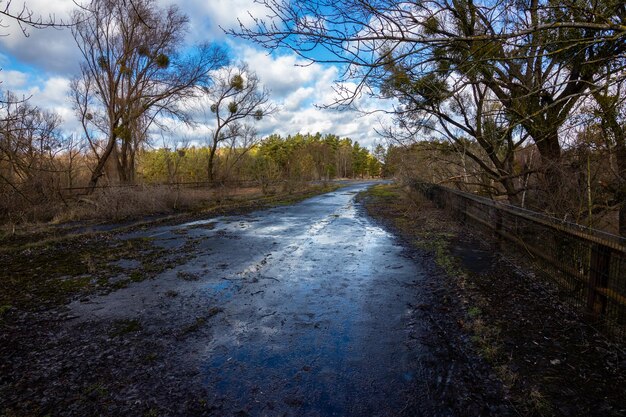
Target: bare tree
{"type": "Point", "coordinates": [235, 97]}
{"type": "Point", "coordinates": [74, 148]}
{"type": "Point", "coordinates": [133, 72]}
{"type": "Point", "coordinates": [237, 149]}
{"type": "Point", "coordinates": [29, 142]}
{"type": "Point", "coordinates": [465, 113]}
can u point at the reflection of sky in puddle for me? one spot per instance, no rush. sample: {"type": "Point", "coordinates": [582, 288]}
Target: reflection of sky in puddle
{"type": "Point", "coordinates": [272, 230]}
{"type": "Point", "coordinates": [311, 362]}
{"type": "Point", "coordinates": [199, 223]}
{"type": "Point", "coordinates": [303, 340]}
{"type": "Point", "coordinates": [296, 307]}
{"type": "Point", "coordinates": [223, 289]}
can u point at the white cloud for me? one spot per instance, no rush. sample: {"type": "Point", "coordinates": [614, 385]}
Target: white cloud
{"type": "Point", "coordinates": [285, 73]}
{"type": "Point", "coordinates": [49, 94]}
{"type": "Point", "coordinates": [52, 50]}
{"type": "Point", "coordinates": [207, 18]}
{"type": "Point", "coordinates": [294, 101]}
{"type": "Point", "coordinates": [295, 85]}
{"type": "Point", "coordinates": [296, 89]}
{"type": "Point", "coordinates": [13, 80]}
{"type": "Point", "coordinates": [53, 95]}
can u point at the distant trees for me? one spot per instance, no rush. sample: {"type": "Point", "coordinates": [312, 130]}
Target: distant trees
{"type": "Point", "coordinates": [311, 157]}
{"type": "Point", "coordinates": [133, 71]}
{"type": "Point", "coordinates": [234, 100]}
{"type": "Point", "coordinates": [28, 139]}
{"type": "Point", "coordinates": [30, 145]}
{"type": "Point", "coordinates": [167, 165]}
{"type": "Point", "coordinates": [295, 158]}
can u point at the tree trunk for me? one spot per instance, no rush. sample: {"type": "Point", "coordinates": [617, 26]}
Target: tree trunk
{"type": "Point", "coordinates": [511, 193]}
{"type": "Point", "coordinates": [126, 166]}
{"type": "Point", "coordinates": [211, 158]}
{"type": "Point", "coordinates": [550, 153]}
{"type": "Point", "coordinates": [620, 156]}
{"type": "Point", "coordinates": [99, 170]}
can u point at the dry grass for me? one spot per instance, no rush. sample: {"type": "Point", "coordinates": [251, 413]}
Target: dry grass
{"type": "Point", "coordinates": [130, 204]}
{"type": "Point", "coordinates": [115, 204]}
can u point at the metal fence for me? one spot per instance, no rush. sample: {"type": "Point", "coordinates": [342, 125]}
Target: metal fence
{"type": "Point", "coordinates": [588, 265]}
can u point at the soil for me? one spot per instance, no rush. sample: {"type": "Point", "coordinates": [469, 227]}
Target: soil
{"type": "Point", "coordinates": [312, 309]}
{"type": "Point", "coordinates": [549, 361]}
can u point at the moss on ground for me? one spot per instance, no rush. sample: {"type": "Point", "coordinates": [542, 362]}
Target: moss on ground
{"type": "Point", "coordinates": [51, 271]}
{"type": "Point", "coordinates": [54, 274]}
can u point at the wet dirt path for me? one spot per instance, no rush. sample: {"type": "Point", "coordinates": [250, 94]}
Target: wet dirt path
{"type": "Point", "coordinates": [315, 311]}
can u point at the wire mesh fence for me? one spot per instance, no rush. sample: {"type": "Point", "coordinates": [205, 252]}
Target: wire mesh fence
{"type": "Point", "coordinates": [588, 265]}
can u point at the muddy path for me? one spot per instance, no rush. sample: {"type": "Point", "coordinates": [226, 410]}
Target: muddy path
{"type": "Point", "coordinates": [304, 310]}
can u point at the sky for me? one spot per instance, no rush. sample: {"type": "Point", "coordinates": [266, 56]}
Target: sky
{"type": "Point", "coordinates": [41, 65]}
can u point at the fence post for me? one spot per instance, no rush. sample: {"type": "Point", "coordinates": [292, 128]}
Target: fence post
{"type": "Point", "coordinates": [598, 278]}
{"type": "Point", "coordinates": [498, 226]}
{"type": "Point", "coordinates": [463, 209]}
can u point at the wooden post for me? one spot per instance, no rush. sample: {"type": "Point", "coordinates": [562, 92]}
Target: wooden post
{"type": "Point", "coordinates": [463, 209]}
{"type": "Point", "coordinates": [598, 278]}
{"type": "Point", "coordinates": [498, 225]}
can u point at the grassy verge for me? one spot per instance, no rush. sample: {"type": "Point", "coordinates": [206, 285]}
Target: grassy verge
{"type": "Point", "coordinates": [138, 211]}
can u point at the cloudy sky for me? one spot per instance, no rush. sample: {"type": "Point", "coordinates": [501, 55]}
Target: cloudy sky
{"type": "Point", "coordinates": [40, 66]}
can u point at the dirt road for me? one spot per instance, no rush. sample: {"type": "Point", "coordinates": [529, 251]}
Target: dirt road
{"type": "Point", "coordinates": [303, 310]}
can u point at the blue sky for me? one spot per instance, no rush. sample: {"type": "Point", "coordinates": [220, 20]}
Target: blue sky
{"type": "Point", "coordinates": [41, 65]}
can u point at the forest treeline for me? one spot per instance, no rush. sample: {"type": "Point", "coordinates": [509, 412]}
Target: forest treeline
{"type": "Point", "coordinates": [298, 157]}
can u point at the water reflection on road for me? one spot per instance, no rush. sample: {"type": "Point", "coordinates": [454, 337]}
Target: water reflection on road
{"type": "Point", "coordinates": [309, 305]}
{"type": "Point", "coordinates": [321, 325]}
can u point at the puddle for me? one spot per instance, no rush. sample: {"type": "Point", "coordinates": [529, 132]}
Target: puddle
{"type": "Point", "coordinates": [312, 301]}
{"type": "Point", "coordinates": [319, 328]}
{"type": "Point", "coordinates": [223, 290]}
